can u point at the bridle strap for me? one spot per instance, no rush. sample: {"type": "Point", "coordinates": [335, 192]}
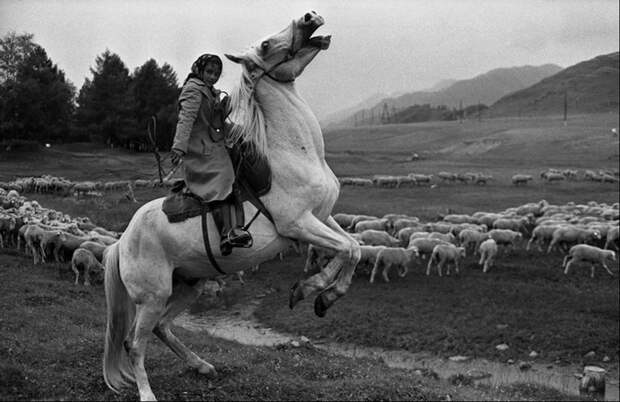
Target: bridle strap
{"type": "Point", "coordinates": [289, 57]}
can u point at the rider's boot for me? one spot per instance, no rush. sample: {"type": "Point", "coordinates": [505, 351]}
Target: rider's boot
{"type": "Point", "coordinates": [230, 236]}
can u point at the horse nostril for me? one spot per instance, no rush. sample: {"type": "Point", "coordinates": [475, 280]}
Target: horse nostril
{"type": "Point", "coordinates": [307, 17]}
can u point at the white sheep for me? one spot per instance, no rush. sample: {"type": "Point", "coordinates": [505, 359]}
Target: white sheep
{"type": "Point", "coordinates": [344, 220]}
{"type": "Point", "coordinates": [505, 237]}
{"type": "Point", "coordinates": [94, 247]}
{"type": "Point", "coordinates": [359, 218]}
{"type": "Point", "coordinates": [403, 223]}
{"type": "Point", "coordinates": [554, 176]}
{"type": "Point", "coordinates": [488, 252]}
{"type": "Point", "coordinates": [375, 224]}
{"type": "Point", "coordinates": [521, 179]}
{"type": "Point", "coordinates": [384, 181]}
{"type": "Point", "coordinates": [438, 227]}
{"type": "Point", "coordinates": [404, 234]}
{"type": "Point", "coordinates": [515, 224]}
{"type": "Point", "coordinates": [368, 256]}
{"type": "Point", "coordinates": [470, 237]}
{"type": "Point", "coordinates": [570, 235]}
{"type": "Point", "coordinates": [487, 218]}
{"type": "Point", "coordinates": [378, 238]}
{"type": "Point", "coordinates": [85, 260]}
{"type": "Point", "coordinates": [612, 237]}
{"type": "Point", "coordinates": [444, 253]}
{"type": "Point", "coordinates": [447, 176]}
{"type": "Point", "coordinates": [542, 235]}
{"type": "Point", "coordinates": [425, 246]}
{"type": "Point", "coordinates": [586, 253]}
{"type": "Point", "coordinates": [405, 180]}
{"type": "Point", "coordinates": [421, 178]}
{"type": "Point", "coordinates": [447, 237]}
{"type": "Point", "coordinates": [460, 218]}
{"type": "Point", "coordinates": [388, 257]}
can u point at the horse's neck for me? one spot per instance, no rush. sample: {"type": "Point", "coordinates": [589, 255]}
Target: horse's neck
{"type": "Point", "coordinates": [292, 127]}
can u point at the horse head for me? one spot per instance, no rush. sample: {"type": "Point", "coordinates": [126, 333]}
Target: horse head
{"type": "Point", "coordinates": [284, 55]}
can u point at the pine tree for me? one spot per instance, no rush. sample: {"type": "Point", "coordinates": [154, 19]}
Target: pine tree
{"type": "Point", "coordinates": [37, 100]}
{"type": "Point", "coordinates": [106, 104]}
{"type": "Point", "coordinates": [155, 91]}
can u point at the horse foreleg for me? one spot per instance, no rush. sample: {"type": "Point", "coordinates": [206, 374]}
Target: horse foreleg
{"type": "Point", "coordinates": [182, 297]}
{"type": "Point", "coordinates": [344, 275]}
{"type": "Point", "coordinates": [311, 230]}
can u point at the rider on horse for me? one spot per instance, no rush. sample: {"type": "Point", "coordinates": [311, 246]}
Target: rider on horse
{"type": "Point", "coordinates": [201, 142]}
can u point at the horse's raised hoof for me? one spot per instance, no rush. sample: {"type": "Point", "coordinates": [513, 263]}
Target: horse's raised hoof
{"type": "Point", "coordinates": [321, 304]}
{"type": "Point", "coordinates": [295, 295]}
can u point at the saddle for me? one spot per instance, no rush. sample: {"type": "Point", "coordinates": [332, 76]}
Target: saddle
{"type": "Point", "coordinates": [252, 180]}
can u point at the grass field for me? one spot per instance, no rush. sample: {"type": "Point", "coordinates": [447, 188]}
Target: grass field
{"type": "Point", "coordinates": [561, 318]}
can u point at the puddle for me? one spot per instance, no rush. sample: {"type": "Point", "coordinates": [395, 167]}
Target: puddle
{"type": "Point", "coordinates": [238, 324]}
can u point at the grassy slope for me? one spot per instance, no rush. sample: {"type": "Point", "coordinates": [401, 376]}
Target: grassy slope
{"type": "Point", "coordinates": [501, 147]}
{"type": "Point", "coordinates": [51, 345]}
{"type": "Point", "coordinates": [559, 317]}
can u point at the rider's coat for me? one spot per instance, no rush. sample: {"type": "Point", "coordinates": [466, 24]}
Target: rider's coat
{"type": "Point", "coordinates": [207, 166]}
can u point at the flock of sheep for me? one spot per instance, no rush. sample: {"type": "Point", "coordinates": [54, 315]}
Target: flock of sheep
{"type": "Point", "coordinates": [58, 185]}
{"type": "Point", "coordinates": [417, 179]}
{"type": "Point", "coordinates": [49, 235]}
{"type": "Point", "coordinates": [586, 232]}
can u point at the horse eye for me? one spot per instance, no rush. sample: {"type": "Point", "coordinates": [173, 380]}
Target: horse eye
{"type": "Point", "coordinates": [264, 45]}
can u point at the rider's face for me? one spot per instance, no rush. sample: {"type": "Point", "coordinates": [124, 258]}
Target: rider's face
{"type": "Point", "coordinates": [211, 74]}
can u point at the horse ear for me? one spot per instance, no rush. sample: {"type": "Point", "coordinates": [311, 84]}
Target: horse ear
{"type": "Point", "coordinates": [234, 58]}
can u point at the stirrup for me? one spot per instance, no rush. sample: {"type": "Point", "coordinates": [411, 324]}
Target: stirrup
{"type": "Point", "coordinates": [236, 237]}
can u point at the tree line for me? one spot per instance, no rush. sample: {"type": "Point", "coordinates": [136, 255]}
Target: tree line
{"type": "Point", "coordinates": [113, 106]}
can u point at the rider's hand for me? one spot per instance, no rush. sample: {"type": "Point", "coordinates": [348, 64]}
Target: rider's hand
{"type": "Point", "coordinates": [176, 156]}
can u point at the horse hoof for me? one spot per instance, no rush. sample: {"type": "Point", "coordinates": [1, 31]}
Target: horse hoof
{"type": "Point", "coordinates": [321, 305]}
{"type": "Point", "coordinates": [207, 370]}
{"type": "Point", "coordinates": [295, 295]}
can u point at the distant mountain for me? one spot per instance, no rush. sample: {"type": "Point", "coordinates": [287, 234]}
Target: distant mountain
{"type": "Point", "coordinates": [365, 104]}
{"type": "Point", "coordinates": [590, 86]}
{"type": "Point", "coordinates": [372, 101]}
{"type": "Point", "coordinates": [486, 88]}
{"type": "Point", "coordinates": [443, 84]}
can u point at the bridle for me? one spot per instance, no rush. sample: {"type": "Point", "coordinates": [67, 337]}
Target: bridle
{"type": "Point", "coordinates": [289, 56]}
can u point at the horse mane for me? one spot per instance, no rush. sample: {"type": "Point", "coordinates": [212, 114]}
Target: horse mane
{"type": "Point", "coordinates": [249, 120]}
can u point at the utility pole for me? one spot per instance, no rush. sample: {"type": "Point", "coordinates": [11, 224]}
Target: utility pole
{"type": "Point", "coordinates": [565, 106]}
{"type": "Point", "coordinates": [385, 114]}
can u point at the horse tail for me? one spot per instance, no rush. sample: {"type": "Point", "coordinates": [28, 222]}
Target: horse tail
{"type": "Point", "coordinates": [117, 369]}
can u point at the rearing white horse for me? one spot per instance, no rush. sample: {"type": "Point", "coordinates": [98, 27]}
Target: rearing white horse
{"type": "Point", "coordinates": [157, 269]}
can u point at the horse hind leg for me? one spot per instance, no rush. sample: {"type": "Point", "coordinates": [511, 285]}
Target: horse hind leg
{"type": "Point", "coordinates": [148, 314]}
{"type": "Point", "coordinates": [183, 295]}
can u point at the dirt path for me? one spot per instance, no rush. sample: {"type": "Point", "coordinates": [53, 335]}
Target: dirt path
{"type": "Point", "coordinates": [239, 324]}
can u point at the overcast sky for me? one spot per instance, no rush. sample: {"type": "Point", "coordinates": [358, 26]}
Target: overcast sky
{"type": "Point", "coordinates": [381, 46]}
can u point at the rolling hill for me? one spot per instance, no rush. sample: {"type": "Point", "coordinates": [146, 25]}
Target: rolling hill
{"type": "Point", "coordinates": [485, 88]}
{"type": "Point", "coordinates": [590, 86]}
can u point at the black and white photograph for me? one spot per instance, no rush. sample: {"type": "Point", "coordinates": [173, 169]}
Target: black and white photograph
{"type": "Point", "coordinates": [304, 200]}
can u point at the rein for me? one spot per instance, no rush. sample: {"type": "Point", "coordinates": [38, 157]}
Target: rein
{"type": "Point", "coordinates": [152, 137]}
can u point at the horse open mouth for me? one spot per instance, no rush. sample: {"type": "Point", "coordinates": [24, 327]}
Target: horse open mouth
{"type": "Point", "coordinates": [306, 26]}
